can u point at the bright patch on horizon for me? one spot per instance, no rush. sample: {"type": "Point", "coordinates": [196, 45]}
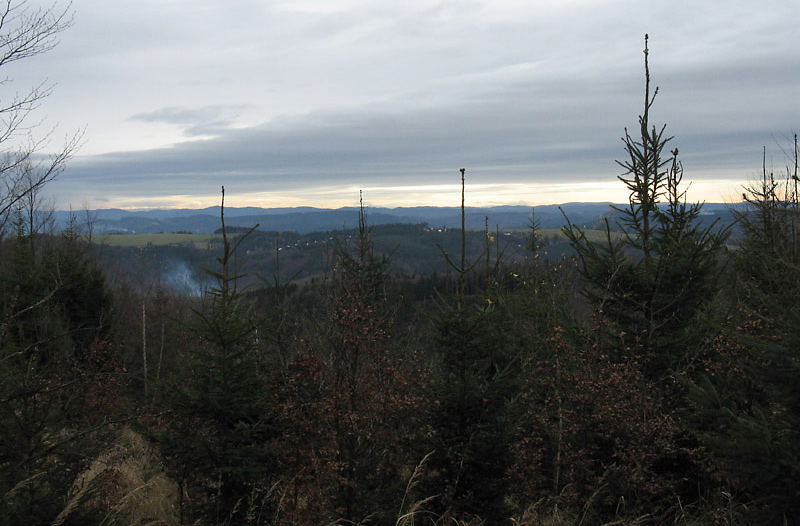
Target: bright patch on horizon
{"type": "Point", "coordinates": [448, 195]}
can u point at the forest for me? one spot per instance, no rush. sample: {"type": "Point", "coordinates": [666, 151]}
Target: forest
{"type": "Point", "coordinates": [649, 377]}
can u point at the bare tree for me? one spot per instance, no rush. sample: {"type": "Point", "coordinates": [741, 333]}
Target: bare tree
{"type": "Point", "coordinates": [26, 32]}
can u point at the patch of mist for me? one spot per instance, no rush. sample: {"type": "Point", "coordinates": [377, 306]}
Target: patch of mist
{"type": "Point", "coordinates": [182, 277]}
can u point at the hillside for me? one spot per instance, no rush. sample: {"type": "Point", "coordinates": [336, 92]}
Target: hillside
{"type": "Point", "coordinates": [177, 243]}
{"type": "Point", "coordinates": [305, 220]}
{"type": "Point", "coordinates": [412, 250]}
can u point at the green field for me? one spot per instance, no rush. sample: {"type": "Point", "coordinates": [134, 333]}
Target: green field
{"type": "Point", "coordinates": [140, 240]}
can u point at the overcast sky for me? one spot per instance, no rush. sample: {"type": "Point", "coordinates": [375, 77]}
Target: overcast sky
{"type": "Point", "coordinates": [304, 102]}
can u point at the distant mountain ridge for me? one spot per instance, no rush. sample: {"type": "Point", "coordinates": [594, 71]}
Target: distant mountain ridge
{"type": "Point", "coordinates": [304, 220]}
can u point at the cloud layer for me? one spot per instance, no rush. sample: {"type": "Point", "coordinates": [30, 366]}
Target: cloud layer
{"type": "Point", "coordinates": [306, 101]}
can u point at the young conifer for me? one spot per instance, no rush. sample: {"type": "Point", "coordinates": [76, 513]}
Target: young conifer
{"type": "Point", "coordinates": [224, 412]}
{"type": "Point", "coordinates": [655, 277]}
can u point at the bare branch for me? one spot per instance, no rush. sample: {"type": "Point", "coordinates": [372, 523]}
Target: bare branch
{"type": "Point", "coordinates": [26, 32]}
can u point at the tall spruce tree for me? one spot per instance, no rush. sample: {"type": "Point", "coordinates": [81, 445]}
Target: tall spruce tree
{"type": "Point", "coordinates": [218, 441]}
{"type": "Point", "coordinates": [655, 277]}
{"type": "Point", "coordinates": [652, 282]}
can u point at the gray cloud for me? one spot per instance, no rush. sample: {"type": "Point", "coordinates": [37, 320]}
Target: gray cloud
{"type": "Point", "coordinates": [179, 115]}
{"type": "Point", "coordinates": [195, 122]}
{"type": "Point", "coordinates": [293, 95]}
{"type": "Point", "coordinates": [538, 139]}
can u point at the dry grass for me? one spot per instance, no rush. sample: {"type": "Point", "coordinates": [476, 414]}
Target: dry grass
{"type": "Point", "coordinates": [127, 485]}
{"type": "Point", "coordinates": [409, 513]}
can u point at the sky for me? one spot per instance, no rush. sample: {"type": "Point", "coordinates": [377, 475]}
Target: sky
{"type": "Point", "coordinates": [307, 102]}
